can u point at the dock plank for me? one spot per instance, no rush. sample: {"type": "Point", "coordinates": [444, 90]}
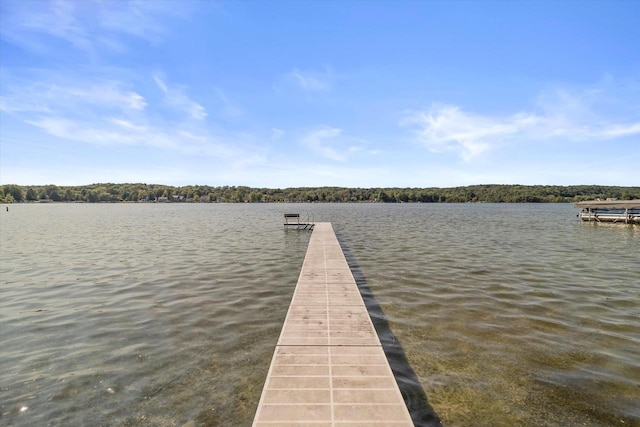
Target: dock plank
{"type": "Point", "coordinates": [329, 368]}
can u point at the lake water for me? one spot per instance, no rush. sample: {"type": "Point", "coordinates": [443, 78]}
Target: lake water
{"type": "Point", "coordinates": [168, 314]}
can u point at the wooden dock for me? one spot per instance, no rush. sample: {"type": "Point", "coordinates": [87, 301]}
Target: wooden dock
{"type": "Point", "coordinates": [329, 368]}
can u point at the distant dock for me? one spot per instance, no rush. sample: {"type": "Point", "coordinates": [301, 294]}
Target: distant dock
{"type": "Point", "coordinates": [329, 368]}
{"type": "Point", "coordinates": [620, 211]}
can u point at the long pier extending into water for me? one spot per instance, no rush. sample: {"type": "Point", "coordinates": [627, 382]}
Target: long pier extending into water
{"type": "Point", "coordinates": [329, 368]}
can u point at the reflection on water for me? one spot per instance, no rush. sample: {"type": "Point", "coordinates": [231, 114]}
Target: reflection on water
{"type": "Point", "coordinates": [169, 314]}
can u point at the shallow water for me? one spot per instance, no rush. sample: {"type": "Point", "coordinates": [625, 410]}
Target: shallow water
{"type": "Point", "coordinates": [168, 314]}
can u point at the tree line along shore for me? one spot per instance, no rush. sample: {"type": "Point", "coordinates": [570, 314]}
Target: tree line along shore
{"type": "Point", "coordinates": [494, 193]}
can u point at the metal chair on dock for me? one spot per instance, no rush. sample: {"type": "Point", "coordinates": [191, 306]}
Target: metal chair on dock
{"type": "Point", "coordinates": [293, 220]}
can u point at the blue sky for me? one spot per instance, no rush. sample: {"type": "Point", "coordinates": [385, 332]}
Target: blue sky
{"type": "Point", "coordinates": [302, 93]}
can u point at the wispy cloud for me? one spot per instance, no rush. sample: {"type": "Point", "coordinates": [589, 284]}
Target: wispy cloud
{"type": "Point", "coordinates": [330, 143]}
{"type": "Point", "coordinates": [114, 132]}
{"type": "Point", "coordinates": [108, 93]}
{"type": "Point", "coordinates": [89, 26]}
{"type": "Point", "coordinates": [616, 131]}
{"type": "Point", "coordinates": [126, 124]}
{"type": "Point", "coordinates": [229, 109]}
{"type": "Point", "coordinates": [581, 115]}
{"type": "Point", "coordinates": [276, 134]}
{"type": "Point", "coordinates": [445, 128]}
{"type": "Point", "coordinates": [177, 98]}
{"type": "Point", "coordinates": [143, 19]}
{"type": "Point", "coordinates": [27, 26]}
{"type": "Point", "coordinates": [310, 80]}
{"type": "Point", "coordinates": [117, 132]}
{"type": "Point", "coordinates": [103, 133]}
{"type": "Point", "coordinates": [317, 141]}
{"type": "Point", "coordinates": [111, 113]}
{"type": "Point", "coordinates": [557, 115]}
{"type": "Point", "coordinates": [69, 95]}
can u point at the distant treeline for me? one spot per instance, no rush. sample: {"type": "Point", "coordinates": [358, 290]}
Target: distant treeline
{"type": "Point", "coordinates": [95, 193]}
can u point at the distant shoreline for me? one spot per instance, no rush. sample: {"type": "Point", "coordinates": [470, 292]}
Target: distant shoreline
{"type": "Point", "coordinates": [157, 193]}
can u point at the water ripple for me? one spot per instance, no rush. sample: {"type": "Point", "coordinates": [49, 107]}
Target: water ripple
{"type": "Point", "coordinates": [168, 314]}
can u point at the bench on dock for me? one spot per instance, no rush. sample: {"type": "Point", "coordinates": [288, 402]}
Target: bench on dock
{"type": "Point", "coordinates": [293, 220]}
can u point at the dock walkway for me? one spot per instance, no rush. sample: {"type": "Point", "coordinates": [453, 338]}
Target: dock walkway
{"type": "Point", "coordinates": [329, 368]}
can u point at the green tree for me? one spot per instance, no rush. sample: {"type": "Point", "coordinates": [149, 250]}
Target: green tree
{"type": "Point", "coordinates": [92, 196]}
{"type": "Point", "coordinates": [14, 191]}
{"type": "Point", "coordinates": [6, 198]}
{"type": "Point", "coordinates": [31, 195]}
{"type": "Point", "coordinates": [54, 195]}
{"type": "Point", "coordinates": [255, 197]}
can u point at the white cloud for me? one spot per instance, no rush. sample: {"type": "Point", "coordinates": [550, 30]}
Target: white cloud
{"type": "Point", "coordinates": [55, 19]}
{"type": "Point", "coordinates": [109, 113]}
{"type": "Point", "coordinates": [84, 131]}
{"type": "Point", "coordinates": [192, 136]}
{"type": "Point", "coordinates": [316, 140]}
{"type": "Point", "coordinates": [89, 26]}
{"type": "Point", "coordinates": [176, 97]}
{"type": "Point", "coordinates": [68, 95]}
{"type": "Point", "coordinates": [445, 128]}
{"type": "Point", "coordinates": [580, 116]}
{"type": "Point", "coordinates": [616, 131]}
{"type": "Point", "coordinates": [128, 125]}
{"type": "Point", "coordinates": [229, 109]}
{"type": "Point", "coordinates": [108, 93]}
{"type": "Point", "coordinates": [311, 81]}
{"type": "Point", "coordinates": [197, 111]}
{"type": "Point", "coordinates": [559, 116]}
{"type": "Point", "coordinates": [276, 134]}
{"type": "Point", "coordinates": [141, 19]}
{"type": "Point", "coordinates": [115, 132]}
{"type": "Point", "coordinates": [332, 144]}
{"type": "Point", "coordinates": [161, 84]}
{"type": "Point", "coordinates": [10, 104]}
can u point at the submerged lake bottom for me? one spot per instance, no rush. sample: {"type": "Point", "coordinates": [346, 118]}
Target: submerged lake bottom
{"type": "Point", "coordinates": [168, 314]}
